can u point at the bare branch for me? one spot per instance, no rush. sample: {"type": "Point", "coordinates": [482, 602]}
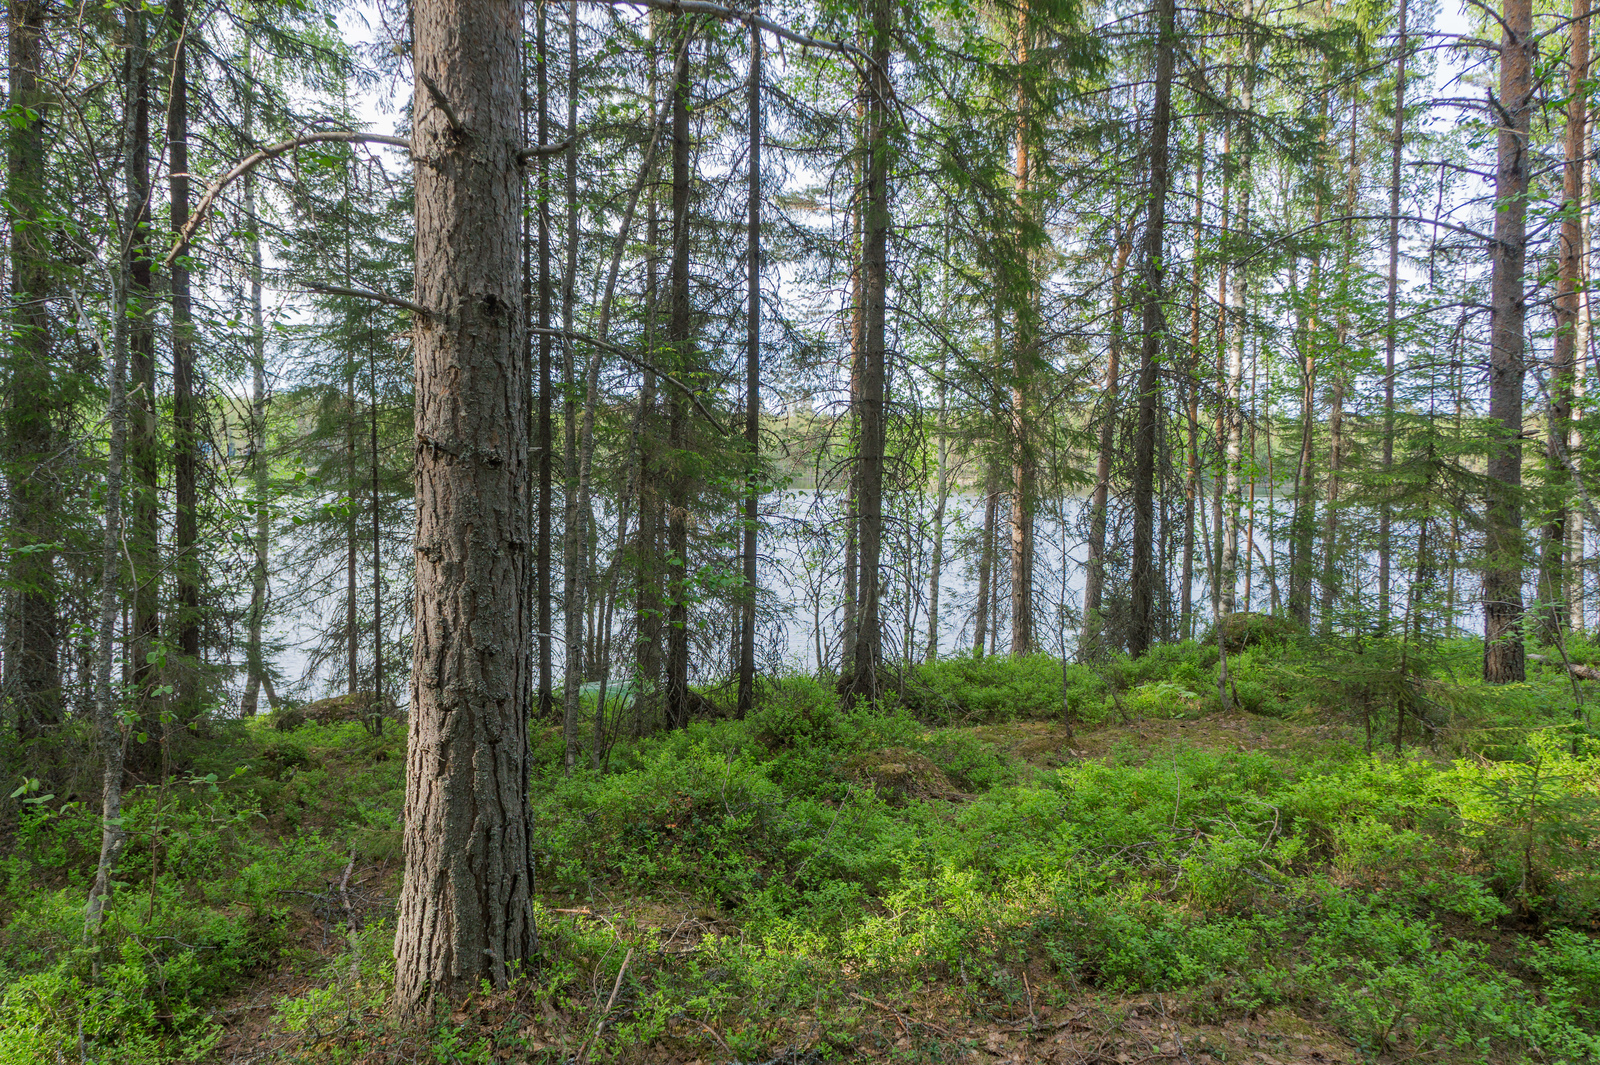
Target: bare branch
{"type": "Point", "coordinates": [203, 209]}
{"type": "Point", "coordinates": [379, 297]}
{"type": "Point", "coordinates": [440, 99]}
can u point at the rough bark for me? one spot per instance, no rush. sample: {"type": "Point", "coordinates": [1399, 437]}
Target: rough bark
{"type": "Point", "coordinates": [1145, 578]}
{"type": "Point", "coordinates": [752, 388]}
{"type": "Point", "coordinates": [255, 664]}
{"type": "Point", "coordinates": [1023, 473]}
{"type": "Point", "coordinates": [680, 341]}
{"type": "Point", "coordinates": [33, 671]}
{"type": "Point", "coordinates": [875, 276]}
{"type": "Point", "coordinates": [1396, 146]}
{"type": "Point", "coordinates": [185, 442]}
{"type": "Point", "coordinates": [1330, 514]}
{"type": "Point", "coordinates": [1503, 660]}
{"type": "Point", "coordinates": [1237, 300]}
{"type": "Point", "coordinates": [573, 578]}
{"type": "Point", "coordinates": [544, 442]}
{"type": "Point", "coordinates": [1564, 346]}
{"type": "Point", "coordinates": [465, 912]}
{"type": "Point", "coordinates": [1191, 487]}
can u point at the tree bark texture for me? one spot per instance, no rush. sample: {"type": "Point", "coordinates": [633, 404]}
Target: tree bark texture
{"type": "Point", "coordinates": [1396, 145]}
{"type": "Point", "coordinates": [185, 442]}
{"type": "Point", "coordinates": [680, 341]}
{"type": "Point", "coordinates": [1503, 654]}
{"type": "Point", "coordinates": [1233, 410]}
{"type": "Point", "coordinates": [33, 672]}
{"type": "Point", "coordinates": [1023, 474]}
{"type": "Point", "coordinates": [1144, 578]}
{"type": "Point", "coordinates": [875, 278]}
{"type": "Point", "coordinates": [1564, 353]}
{"type": "Point", "coordinates": [465, 912]}
{"type": "Point", "coordinates": [752, 388]}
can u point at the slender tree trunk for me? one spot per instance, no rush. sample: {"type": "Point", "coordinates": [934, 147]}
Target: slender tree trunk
{"type": "Point", "coordinates": [875, 276]}
{"type": "Point", "coordinates": [545, 432]}
{"type": "Point", "coordinates": [573, 578]}
{"type": "Point", "coordinates": [33, 670]}
{"type": "Point", "coordinates": [649, 602]}
{"type": "Point", "coordinates": [108, 729]}
{"type": "Point", "coordinates": [465, 910]}
{"type": "Point", "coordinates": [1396, 146]}
{"type": "Point", "coordinates": [1330, 516]}
{"type": "Point", "coordinates": [941, 502]}
{"type": "Point", "coordinates": [185, 442]}
{"type": "Point", "coordinates": [1145, 578]}
{"type": "Point", "coordinates": [255, 664]}
{"type": "Point", "coordinates": [680, 340]}
{"type": "Point", "coordinates": [144, 443]}
{"type": "Point", "coordinates": [1094, 576]}
{"type": "Point", "coordinates": [980, 623]}
{"type": "Point", "coordinates": [852, 532]}
{"type": "Point", "coordinates": [1564, 356]}
{"type": "Point", "coordinates": [1023, 473]}
{"type": "Point", "coordinates": [1503, 654]}
{"type": "Point", "coordinates": [1238, 297]}
{"type": "Point", "coordinates": [1191, 492]}
{"type": "Point", "coordinates": [1582, 332]}
{"type": "Point", "coordinates": [752, 389]}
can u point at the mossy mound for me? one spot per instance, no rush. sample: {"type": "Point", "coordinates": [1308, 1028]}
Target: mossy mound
{"type": "Point", "coordinates": [356, 706]}
{"type": "Point", "coordinates": [899, 775]}
{"type": "Point", "coordinates": [1246, 628]}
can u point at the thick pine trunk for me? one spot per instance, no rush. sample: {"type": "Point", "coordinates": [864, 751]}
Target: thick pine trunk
{"type": "Point", "coordinates": [1145, 579]}
{"type": "Point", "coordinates": [465, 910]}
{"type": "Point", "coordinates": [1503, 653]}
{"type": "Point", "coordinates": [573, 578]}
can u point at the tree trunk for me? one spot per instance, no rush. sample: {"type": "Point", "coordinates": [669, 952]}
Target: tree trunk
{"type": "Point", "coordinates": [1094, 574]}
{"type": "Point", "coordinates": [875, 276]}
{"type": "Point", "coordinates": [1503, 652]}
{"type": "Point", "coordinates": [1145, 578]}
{"type": "Point", "coordinates": [1233, 410]}
{"type": "Point", "coordinates": [980, 623]}
{"type": "Point", "coordinates": [1582, 332]}
{"type": "Point", "coordinates": [108, 729]}
{"type": "Point", "coordinates": [1330, 516]}
{"type": "Point", "coordinates": [1564, 346]}
{"type": "Point", "coordinates": [941, 502]}
{"type": "Point", "coordinates": [255, 665]}
{"type": "Point", "coordinates": [544, 440]}
{"type": "Point", "coordinates": [185, 442]}
{"type": "Point", "coordinates": [573, 578]}
{"type": "Point", "coordinates": [1191, 491]}
{"type": "Point", "coordinates": [752, 389]}
{"type": "Point", "coordinates": [465, 911]}
{"type": "Point", "coordinates": [679, 341]}
{"type": "Point", "coordinates": [33, 671]}
{"type": "Point", "coordinates": [1022, 459]}
{"type": "Point", "coordinates": [1396, 147]}
{"type": "Point", "coordinates": [648, 599]}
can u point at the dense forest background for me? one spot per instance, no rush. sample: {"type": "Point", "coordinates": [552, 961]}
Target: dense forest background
{"type": "Point", "coordinates": [858, 339]}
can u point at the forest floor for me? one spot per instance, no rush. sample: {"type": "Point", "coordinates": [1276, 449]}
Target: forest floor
{"type": "Point", "coordinates": [955, 877]}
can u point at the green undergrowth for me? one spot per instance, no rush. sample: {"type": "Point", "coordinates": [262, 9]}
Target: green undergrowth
{"type": "Point", "coordinates": [1004, 836]}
